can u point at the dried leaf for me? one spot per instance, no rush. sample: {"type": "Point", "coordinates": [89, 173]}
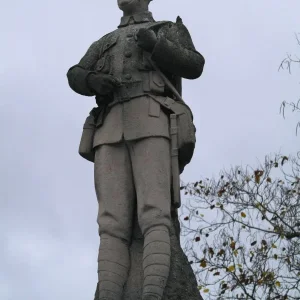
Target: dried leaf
{"type": "Point", "coordinates": [205, 290]}
{"type": "Point", "coordinates": [243, 215]}
{"type": "Point", "coordinates": [231, 268]}
{"type": "Point", "coordinates": [197, 239]}
{"type": "Point", "coordinates": [232, 245]}
{"type": "Point", "coordinates": [203, 263]}
{"type": "Point", "coordinates": [277, 283]}
{"type": "Point", "coordinates": [284, 158]}
{"type": "Point", "coordinates": [221, 252]}
{"type": "Point", "coordinates": [257, 175]}
{"type": "Point", "coordinates": [221, 192]}
{"type": "Point", "coordinates": [253, 243]}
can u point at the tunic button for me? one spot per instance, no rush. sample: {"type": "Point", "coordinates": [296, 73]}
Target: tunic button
{"type": "Point", "coordinates": [128, 76]}
{"type": "Point", "coordinates": [128, 54]}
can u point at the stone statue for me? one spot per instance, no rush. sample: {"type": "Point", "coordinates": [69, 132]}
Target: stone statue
{"type": "Point", "coordinates": [135, 73]}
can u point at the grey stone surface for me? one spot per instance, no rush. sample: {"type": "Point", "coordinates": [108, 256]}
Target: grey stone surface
{"type": "Point", "coordinates": [139, 137]}
{"type": "Point", "coordinates": [181, 284]}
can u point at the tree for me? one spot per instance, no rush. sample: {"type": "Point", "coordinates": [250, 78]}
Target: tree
{"type": "Point", "coordinates": [241, 231]}
{"type": "Point", "coordinates": [245, 230]}
{"type": "Point", "coordinates": [287, 64]}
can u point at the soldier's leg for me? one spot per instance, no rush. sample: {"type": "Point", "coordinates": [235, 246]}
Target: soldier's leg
{"type": "Point", "coordinates": [152, 175]}
{"type": "Point", "coordinates": [115, 193]}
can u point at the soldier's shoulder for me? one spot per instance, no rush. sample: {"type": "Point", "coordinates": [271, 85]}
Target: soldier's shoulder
{"type": "Point", "coordinates": [106, 36]}
{"type": "Point", "coordinates": [169, 25]}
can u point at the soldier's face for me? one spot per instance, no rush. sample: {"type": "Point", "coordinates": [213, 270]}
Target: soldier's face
{"type": "Point", "coordinates": [133, 5]}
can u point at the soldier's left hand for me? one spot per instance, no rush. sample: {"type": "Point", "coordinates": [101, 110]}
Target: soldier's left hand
{"type": "Point", "coordinates": [146, 39]}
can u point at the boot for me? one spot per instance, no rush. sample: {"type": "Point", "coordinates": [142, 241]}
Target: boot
{"type": "Point", "coordinates": [156, 262]}
{"type": "Point", "coordinates": [113, 268]}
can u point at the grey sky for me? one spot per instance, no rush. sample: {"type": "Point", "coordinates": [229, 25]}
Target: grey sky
{"type": "Point", "coordinates": [48, 230]}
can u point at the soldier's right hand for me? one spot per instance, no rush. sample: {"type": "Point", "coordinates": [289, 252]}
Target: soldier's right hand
{"type": "Point", "coordinates": [102, 84]}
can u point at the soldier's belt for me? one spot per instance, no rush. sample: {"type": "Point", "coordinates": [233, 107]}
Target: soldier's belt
{"type": "Point", "coordinates": [126, 92]}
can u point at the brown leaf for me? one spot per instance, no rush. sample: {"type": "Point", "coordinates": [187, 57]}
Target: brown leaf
{"type": "Point", "coordinates": [231, 268]}
{"type": "Point", "coordinates": [221, 252]}
{"type": "Point", "coordinates": [257, 175]}
{"type": "Point", "coordinates": [221, 192]}
{"type": "Point", "coordinates": [232, 245]}
{"type": "Point", "coordinates": [203, 263]}
{"type": "Point", "coordinates": [224, 286]}
{"type": "Point", "coordinates": [284, 158]}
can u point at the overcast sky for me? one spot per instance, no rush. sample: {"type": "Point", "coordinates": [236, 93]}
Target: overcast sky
{"type": "Point", "coordinates": [48, 231]}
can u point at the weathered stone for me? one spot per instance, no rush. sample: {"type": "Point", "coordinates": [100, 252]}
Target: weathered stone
{"type": "Point", "coordinates": [181, 285]}
{"type": "Point", "coordinates": [140, 137]}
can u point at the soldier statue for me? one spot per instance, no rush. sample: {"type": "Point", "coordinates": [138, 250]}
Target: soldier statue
{"type": "Point", "coordinates": [135, 73]}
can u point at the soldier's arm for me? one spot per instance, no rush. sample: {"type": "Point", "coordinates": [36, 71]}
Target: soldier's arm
{"type": "Point", "coordinates": [175, 52]}
{"type": "Point", "coordinates": [78, 74]}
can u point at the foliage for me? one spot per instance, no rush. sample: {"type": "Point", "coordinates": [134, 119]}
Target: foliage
{"type": "Point", "coordinates": [245, 229]}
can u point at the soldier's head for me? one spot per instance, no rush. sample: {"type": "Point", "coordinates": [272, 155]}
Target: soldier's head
{"type": "Point", "coordinates": [133, 6]}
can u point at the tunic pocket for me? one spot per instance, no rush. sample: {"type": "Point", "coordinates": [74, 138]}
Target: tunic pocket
{"type": "Point", "coordinates": [100, 64]}
{"type": "Point", "coordinates": [154, 108]}
{"type": "Point", "coordinates": [157, 84]}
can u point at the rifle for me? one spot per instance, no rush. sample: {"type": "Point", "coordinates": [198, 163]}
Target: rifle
{"type": "Point", "coordinates": [174, 140]}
